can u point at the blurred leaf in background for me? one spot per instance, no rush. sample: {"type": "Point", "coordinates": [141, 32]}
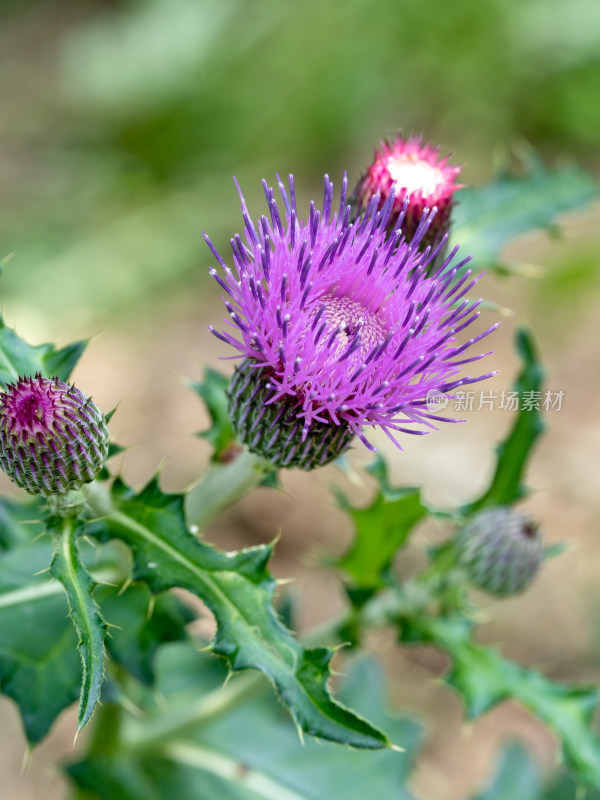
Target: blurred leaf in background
{"type": "Point", "coordinates": [123, 122]}
{"type": "Point", "coordinates": [239, 745]}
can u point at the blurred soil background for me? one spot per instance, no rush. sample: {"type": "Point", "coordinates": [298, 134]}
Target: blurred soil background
{"type": "Point", "coordinates": [121, 125]}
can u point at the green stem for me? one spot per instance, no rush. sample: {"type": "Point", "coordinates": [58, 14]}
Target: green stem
{"type": "Point", "coordinates": [150, 733]}
{"type": "Point", "coordinates": [222, 486]}
{"type": "Point", "coordinates": [443, 566]}
{"type": "Point", "coordinates": [238, 775]}
{"type": "Point", "coordinates": [412, 600]}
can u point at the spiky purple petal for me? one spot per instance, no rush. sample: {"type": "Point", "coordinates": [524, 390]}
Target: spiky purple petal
{"type": "Point", "coordinates": [345, 320]}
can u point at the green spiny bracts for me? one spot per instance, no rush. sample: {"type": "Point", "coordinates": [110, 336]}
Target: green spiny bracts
{"type": "Point", "coordinates": [501, 550]}
{"type": "Point", "coordinates": [53, 438]}
{"type": "Point", "coordinates": [273, 430]}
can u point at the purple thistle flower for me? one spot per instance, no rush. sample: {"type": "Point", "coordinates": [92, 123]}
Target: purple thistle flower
{"type": "Point", "coordinates": [52, 437]}
{"type": "Point", "coordinates": [341, 324]}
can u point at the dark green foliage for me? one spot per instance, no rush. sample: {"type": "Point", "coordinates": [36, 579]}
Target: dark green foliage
{"type": "Point", "coordinates": [487, 218]}
{"type": "Point", "coordinates": [212, 389]}
{"type": "Point", "coordinates": [68, 569]}
{"type": "Point", "coordinates": [381, 529]}
{"type": "Point", "coordinates": [239, 591]}
{"type": "Point", "coordinates": [513, 453]}
{"type": "Point", "coordinates": [483, 678]}
{"type": "Point", "coordinates": [17, 358]}
{"type": "Point", "coordinates": [39, 665]}
{"type": "Point", "coordinates": [248, 749]}
{"type": "Point", "coordinates": [138, 623]}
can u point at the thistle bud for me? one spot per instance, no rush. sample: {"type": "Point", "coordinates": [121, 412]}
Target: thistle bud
{"type": "Point", "coordinates": [422, 181]}
{"type": "Point", "coordinates": [501, 550]}
{"type": "Point", "coordinates": [273, 430]}
{"type": "Point", "coordinates": [52, 437]}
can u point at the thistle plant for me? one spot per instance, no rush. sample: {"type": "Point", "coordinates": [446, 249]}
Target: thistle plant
{"type": "Point", "coordinates": [343, 321]}
{"type": "Point", "coordinates": [341, 328]}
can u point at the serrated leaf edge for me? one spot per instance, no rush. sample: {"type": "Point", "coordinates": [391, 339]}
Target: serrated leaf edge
{"type": "Point", "coordinates": [67, 567]}
{"type": "Point", "coordinates": [374, 739]}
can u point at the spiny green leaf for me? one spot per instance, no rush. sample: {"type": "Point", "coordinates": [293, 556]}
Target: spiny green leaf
{"type": "Point", "coordinates": [62, 362]}
{"type": "Point", "coordinates": [39, 665]}
{"type": "Point", "coordinates": [380, 530]}
{"type": "Point", "coordinates": [271, 480]}
{"type": "Point", "coordinates": [513, 453]}
{"type": "Point", "coordinates": [234, 743]}
{"type": "Point", "coordinates": [486, 218]}
{"type": "Point", "coordinates": [484, 678]}
{"type": "Point", "coordinates": [239, 591]}
{"type": "Point", "coordinates": [212, 391]}
{"type": "Point", "coordinates": [139, 623]}
{"type": "Point", "coordinates": [17, 358]}
{"type": "Point", "coordinates": [67, 568]}
{"type": "Point", "coordinates": [19, 521]}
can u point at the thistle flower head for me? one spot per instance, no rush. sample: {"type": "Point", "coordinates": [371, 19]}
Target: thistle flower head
{"type": "Point", "coordinates": [501, 550]}
{"type": "Point", "coordinates": [340, 323]}
{"type": "Point", "coordinates": [52, 437]}
{"type": "Point", "coordinates": [421, 181]}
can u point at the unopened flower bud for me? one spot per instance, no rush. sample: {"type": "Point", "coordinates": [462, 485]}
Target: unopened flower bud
{"type": "Point", "coordinates": [52, 437]}
{"type": "Point", "coordinates": [501, 550]}
{"type": "Point", "coordinates": [274, 430]}
{"type": "Point", "coordinates": [421, 180]}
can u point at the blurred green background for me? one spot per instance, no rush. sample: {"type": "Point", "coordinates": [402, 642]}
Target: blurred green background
{"type": "Point", "coordinates": [121, 125]}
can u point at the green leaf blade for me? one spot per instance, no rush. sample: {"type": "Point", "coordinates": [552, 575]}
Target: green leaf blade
{"type": "Point", "coordinates": [139, 623]}
{"type": "Point", "coordinates": [39, 666]}
{"type": "Point", "coordinates": [238, 590]}
{"type": "Point", "coordinates": [19, 521]}
{"type": "Point", "coordinates": [381, 529]}
{"type": "Point", "coordinates": [68, 569]}
{"type": "Point", "coordinates": [236, 744]}
{"type": "Point", "coordinates": [212, 389]}
{"type": "Point", "coordinates": [513, 453]}
{"type": "Point", "coordinates": [483, 678]}
{"type": "Point", "coordinates": [486, 218]}
{"type": "Point", "coordinates": [17, 358]}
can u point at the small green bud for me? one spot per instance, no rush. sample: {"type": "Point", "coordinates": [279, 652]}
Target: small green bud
{"type": "Point", "coordinates": [501, 550]}
{"type": "Point", "coordinates": [52, 437]}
